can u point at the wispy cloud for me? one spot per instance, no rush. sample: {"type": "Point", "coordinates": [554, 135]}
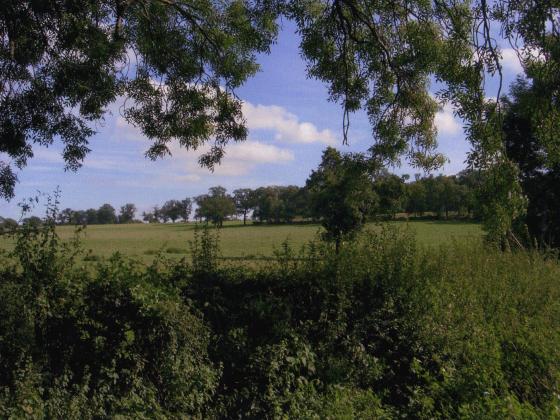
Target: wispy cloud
{"type": "Point", "coordinates": [48, 156]}
{"type": "Point", "coordinates": [240, 158]}
{"type": "Point", "coordinates": [257, 152]}
{"type": "Point", "coordinates": [510, 61]}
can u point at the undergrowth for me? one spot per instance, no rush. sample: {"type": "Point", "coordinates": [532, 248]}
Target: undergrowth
{"type": "Point", "coordinates": [381, 330]}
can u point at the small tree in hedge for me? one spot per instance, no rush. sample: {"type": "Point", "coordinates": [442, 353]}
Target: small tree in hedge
{"type": "Point", "coordinates": [341, 194]}
{"type": "Point", "coordinates": [172, 209]}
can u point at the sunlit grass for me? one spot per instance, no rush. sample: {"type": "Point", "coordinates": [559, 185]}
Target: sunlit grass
{"type": "Point", "coordinates": [236, 241]}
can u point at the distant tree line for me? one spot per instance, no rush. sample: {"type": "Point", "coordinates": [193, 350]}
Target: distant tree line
{"type": "Point", "coordinates": [387, 195]}
{"type": "Point", "coordinates": [105, 214]}
{"type": "Point", "coordinates": [7, 224]}
{"type": "Point", "coordinates": [443, 196]}
{"type": "Point", "coordinates": [173, 210]}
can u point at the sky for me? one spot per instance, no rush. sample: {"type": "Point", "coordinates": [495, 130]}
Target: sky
{"type": "Point", "coordinates": [290, 122]}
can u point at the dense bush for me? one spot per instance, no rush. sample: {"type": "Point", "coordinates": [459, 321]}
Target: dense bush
{"type": "Point", "coordinates": [382, 330]}
{"type": "Point", "coordinates": [77, 343]}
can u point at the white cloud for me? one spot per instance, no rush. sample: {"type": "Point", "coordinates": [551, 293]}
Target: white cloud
{"type": "Point", "coordinates": [445, 121]}
{"type": "Point", "coordinates": [257, 152]}
{"type": "Point", "coordinates": [511, 58]}
{"type": "Point", "coordinates": [286, 125]}
{"type": "Point", "coordinates": [510, 61]}
{"type": "Point", "coordinates": [240, 158]}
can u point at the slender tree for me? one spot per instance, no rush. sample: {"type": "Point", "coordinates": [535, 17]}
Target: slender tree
{"type": "Point", "coordinates": [185, 209]}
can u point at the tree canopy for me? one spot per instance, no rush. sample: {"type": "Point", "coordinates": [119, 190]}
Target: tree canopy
{"type": "Point", "coordinates": [106, 214]}
{"type": "Point", "coordinates": [244, 200]}
{"type": "Point", "coordinates": [176, 64]}
{"type": "Point", "coordinates": [127, 213]}
{"type": "Point", "coordinates": [539, 174]}
{"type": "Point", "coordinates": [216, 206]}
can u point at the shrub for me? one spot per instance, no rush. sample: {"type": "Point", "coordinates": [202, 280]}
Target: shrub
{"type": "Point", "coordinates": [425, 333]}
{"type": "Point", "coordinates": [112, 342]}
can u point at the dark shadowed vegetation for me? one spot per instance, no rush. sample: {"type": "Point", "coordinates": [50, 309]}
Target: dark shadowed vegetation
{"type": "Point", "coordinates": [381, 330]}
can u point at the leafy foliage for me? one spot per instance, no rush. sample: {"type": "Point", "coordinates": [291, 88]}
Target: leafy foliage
{"type": "Point", "coordinates": [127, 213]}
{"type": "Point", "coordinates": [379, 330]}
{"type": "Point", "coordinates": [106, 214]}
{"type": "Point", "coordinates": [279, 204]}
{"type": "Point", "coordinates": [244, 199]}
{"type": "Point", "coordinates": [119, 341]}
{"type": "Point", "coordinates": [216, 206]}
{"type": "Point", "coordinates": [341, 194]}
{"type": "Point", "coordinates": [538, 173]}
{"type": "Point", "coordinates": [176, 64]}
{"type": "Point", "coordinates": [63, 63]}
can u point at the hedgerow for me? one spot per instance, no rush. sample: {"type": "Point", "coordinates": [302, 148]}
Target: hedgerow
{"type": "Point", "coordinates": [382, 329]}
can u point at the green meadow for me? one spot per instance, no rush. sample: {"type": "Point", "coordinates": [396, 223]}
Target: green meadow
{"type": "Point", "coordinates": [237, 241]}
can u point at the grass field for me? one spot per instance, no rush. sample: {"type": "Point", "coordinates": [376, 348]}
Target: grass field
{"type": "Point", "coordinates": [236, 240]}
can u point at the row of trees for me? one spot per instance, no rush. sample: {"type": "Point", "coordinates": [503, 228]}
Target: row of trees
{"type": "Point", "coordinates": [171, 210]}
{"type": "Point", "coordinates": [388, 194]}
{"type": "Point", "coordinates": [105, 214]}
{"type": "Point", "coordinates": [346, 189]}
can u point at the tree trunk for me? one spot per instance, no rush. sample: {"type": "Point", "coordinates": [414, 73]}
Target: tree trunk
{"type": "Point", "coordinates": [337, 245]}
{"type": "Point", "coordinates": [244, 218]}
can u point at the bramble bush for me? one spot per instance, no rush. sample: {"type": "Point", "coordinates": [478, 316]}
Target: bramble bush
{"type": "Point", "coordinates": [82, 343]}
{"type": "Point", "coordinates": [383, 330]}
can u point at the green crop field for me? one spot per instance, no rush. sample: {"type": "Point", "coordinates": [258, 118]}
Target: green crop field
{"type": "Point", "coordinates": [236, 240]}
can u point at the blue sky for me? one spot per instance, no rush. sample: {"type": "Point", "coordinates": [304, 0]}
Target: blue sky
{"type": "Point", "coordinates": [290, 122]}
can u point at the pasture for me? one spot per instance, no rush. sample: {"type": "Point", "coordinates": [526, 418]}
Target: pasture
{"type": "Point", "coordinates": [237, 241]}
